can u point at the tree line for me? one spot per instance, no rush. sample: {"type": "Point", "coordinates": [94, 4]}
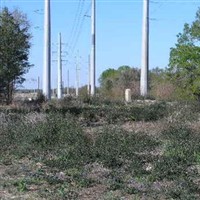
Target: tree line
{"type": "Point", "coordinates": [179, 81]}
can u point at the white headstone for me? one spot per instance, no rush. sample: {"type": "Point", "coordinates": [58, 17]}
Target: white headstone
{"type": "Point", "coordinates": [128, 95]}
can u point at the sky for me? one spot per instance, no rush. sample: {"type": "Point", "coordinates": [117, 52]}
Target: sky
{"type": "Point", "coordinates": [118, 34]}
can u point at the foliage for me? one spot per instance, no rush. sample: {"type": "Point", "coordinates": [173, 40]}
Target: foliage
{"type": "Point", "coordinates": [178, 162]}
{"type": "Point", "coordinates": [14, 51]}
{"type": "Point", "coordinates": [107, 77]}
{"type": "Point", "coordinates": [111, 111]}
{"type": "Point", "coordinates": [184, 66]}
{"type": "Point", "coordinates": [62, 156]}
{"type": "Point", "coordinates": [52, 133]}
{"type": "Point", "coordinates": [21, 185]}
{"type": "Point", "coordinates": [107, 80]}
{"type": "Point", "coordinates": [40, 97]}
{"type": "Point", "coordinates": [160, 86]}
{"type": "Point", "coordinates": [114, 147]}
{"type": "Point", "coordinates": [114, 82]}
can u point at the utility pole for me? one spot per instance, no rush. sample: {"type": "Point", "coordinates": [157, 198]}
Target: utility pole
{"type": "Point", "coordinates": [89, 77]}
{"type": "Point", "coordinates": [145, 50]}
{"type": "Point", "coordinates": [47, 51]}
{"type": "Point", "coordinates": [67, 82]}
{"type": "Point", "coordinates": [59, 85]}
{"type": "Point", "coordinates": [77, 76]}
{"type": "Point", "coordinates": [93, 48]}
{"type": "Point", "coordinates": [38, 84]}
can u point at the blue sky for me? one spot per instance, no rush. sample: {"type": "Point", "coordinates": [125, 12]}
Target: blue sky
{"type": "Point", "coordinates": [119, 27]}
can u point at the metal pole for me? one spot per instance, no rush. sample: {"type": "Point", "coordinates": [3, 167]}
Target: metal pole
{"type": "Point", "coordinates": [77, 78]}
{"type": "Point", "coordinates": [145, 50]}
{"type": "Point", "coordinates": [47, 51]}
{"type": "Point", "coordinates": [38, 84]}
{"type": "Point", "coordinates": [89, 77]}
{"type": "Point", "coordinates": [59, 85]}
{"type": "Point", "coordinates": [93, 48]}
{"type": "Point", "coordinates": [67, 82]}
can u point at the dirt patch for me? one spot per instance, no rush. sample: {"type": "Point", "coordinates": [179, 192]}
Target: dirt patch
{"type": "Point", "coordinates": [92, 193]}
{"type": "Point", "coordinates": [97, 172]}
{"type": "Point", "coordinates": [2, 170]}
{"type": "Point", "coordinates": [150, 128]}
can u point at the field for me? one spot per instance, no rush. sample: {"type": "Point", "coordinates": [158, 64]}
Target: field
{"type": "Point", "coordinates": [100, 150]}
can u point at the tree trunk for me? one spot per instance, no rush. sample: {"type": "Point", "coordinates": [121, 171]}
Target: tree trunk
{"type": "Point", "coordinates": [9, 93]}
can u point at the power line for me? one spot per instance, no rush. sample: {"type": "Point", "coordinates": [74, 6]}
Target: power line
{"type": "Point", "coordinates": [74, 21]}
{"type": "Point", "coordinates": [78, 33]}
{"type": "Point", "coordinates": [79, 20]}
{"type": "Point", "coordinates": [79, 30]}
{"type": "Point", "coordinates": [76, 24]}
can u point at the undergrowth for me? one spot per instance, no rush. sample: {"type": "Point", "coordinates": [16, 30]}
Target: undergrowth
{"type": "Point", "coordinates": [166, 166]}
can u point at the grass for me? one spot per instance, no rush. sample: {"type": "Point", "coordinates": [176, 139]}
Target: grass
{"type": "Point", "coordinates": [59, 153]}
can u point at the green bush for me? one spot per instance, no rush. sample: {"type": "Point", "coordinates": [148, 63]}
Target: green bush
{"type": "Point", "coordinates": [114, 147]}
{"type": "Point", "coordinates": [150, 112]}
{"type": "Point", "coordinates": [59, 139]}
{"type": "Point", "coordinates": [58, 135]}
{"type": "Point", "coordinates": [180, 154]}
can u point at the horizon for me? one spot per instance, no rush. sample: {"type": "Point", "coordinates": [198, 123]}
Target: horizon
{"type": "Point", "coordinates": [119, 27]}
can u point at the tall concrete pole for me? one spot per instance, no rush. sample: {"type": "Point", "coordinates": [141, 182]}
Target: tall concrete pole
{"type": "Point", "coordinates": [93, 48]}
{"type": "Point", "coordinates": [59, 85]}
{"type": "Point", "coordinates": [47, 51]}
{"type": "Point", "coordinates": [77, 77]}
{"type": "Point", "coordinates": [38, 84]}
{"type": "Point", "coordinates": [145, 50]}
{"type": "Point", "coordinates": [89, 76]}
{"type": "Point", "coordinates": [67, 82]}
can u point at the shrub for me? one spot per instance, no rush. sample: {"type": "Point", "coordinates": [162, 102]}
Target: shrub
{"type": "Point", "coordinates": [114, 147]}
{"type": "Point", "coordinates": [57, 135]}
{"type": "Point", "coordinates": [181, 146]}
{"type": "Point", "coordinates": [40, 97]}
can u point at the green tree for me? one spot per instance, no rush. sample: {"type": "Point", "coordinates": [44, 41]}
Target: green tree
{"type": "Point", "coordinates": [113, 82]}
{"type": "Point", "coordinates": [184, 65]}
{"type": "Point", "coordinates": [108, 78]}
{"type": "Point", "coordinates": [128, 78]}
{"type": "Point", "coordinates": [124, 68]}
{"type": "Point", "coordinates": [14, 51]}
{"type": "Point", "coordinates": [161, 87]}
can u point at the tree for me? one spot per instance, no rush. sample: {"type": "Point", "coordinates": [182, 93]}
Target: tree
{"type": "Point", "coordinates": [129, 78]}
{"type": "Point", "coordinates": [14, 51]}
{"type": "Point", "coordinates": [124, 68]}
{"type": "Point", "coordinates": [161, 87]}
{"type": "Point", "coordinates": [108, 78]}
{"type": "Point", "coordinates": [184, 65]}
{"type": "Point", "coordinates": [114, 82]}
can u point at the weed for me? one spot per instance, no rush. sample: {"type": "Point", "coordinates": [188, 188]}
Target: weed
{"type": "Point", "coordinates": [21, 185]}
{"type": "Point", "coordinates": [111, 196]}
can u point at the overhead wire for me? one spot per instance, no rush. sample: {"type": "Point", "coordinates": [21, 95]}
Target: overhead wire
{"type": "Point", "coordinates": [77, 25]}
{"type": "Point", "coordinates": [80, 28]}
{"type": "Point", "coordinates": [77, 34]}
{"type": "Point", "coordinates": [74, 23]}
